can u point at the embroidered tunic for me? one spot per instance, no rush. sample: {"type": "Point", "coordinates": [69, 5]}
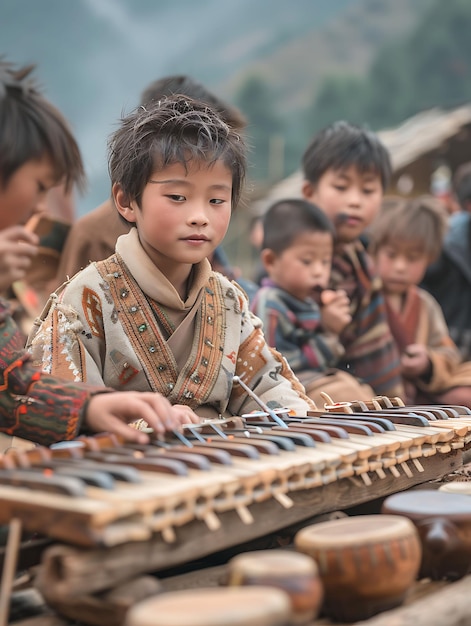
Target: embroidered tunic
{"type": "Point", "coordinates": [34, 405]}
{"type": "Point", "coordinates": [121, 323]}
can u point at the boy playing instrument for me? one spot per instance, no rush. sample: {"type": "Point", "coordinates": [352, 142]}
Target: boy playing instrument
{"type": "Point", "coordinates": [93, 237]}
{"type": "Point", "coordinates": [155, 316]}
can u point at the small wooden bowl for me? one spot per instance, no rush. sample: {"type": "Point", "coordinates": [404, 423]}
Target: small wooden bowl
{"type": "Point", "coordinates": [218, 606]}
{"type": "Point", "coordinates": [367, 563]}
{"type": "Point", "coordinates": [443, 521]}
{"type": "Point", "coordinates": [293, 572]}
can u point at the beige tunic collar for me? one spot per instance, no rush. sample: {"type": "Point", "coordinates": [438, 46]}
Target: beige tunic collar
{"type": "Point", "coordinates": [151, 280]}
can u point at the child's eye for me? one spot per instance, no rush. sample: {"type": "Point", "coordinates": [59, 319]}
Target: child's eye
{"type": "Point", "coordinates": [42, 188]}
{"type": "Point", "coordinates": [368, 191]}
{"type": "Point", "coordinates": [176, 197]}
{"type": "Point", "coordinates": [217, 201]}
{"type": "Point", "coordinates": [340, 187]}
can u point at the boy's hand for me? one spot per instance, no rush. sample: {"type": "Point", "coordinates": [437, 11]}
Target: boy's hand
{"type": "Point", "coordinates": [335, 310]}
{"type": "Point", "coordinates": [113, 412]}
{"type": "Point", "coordinates": [415, 361]}
{"type": "Point", "coordinates": [18, 246]}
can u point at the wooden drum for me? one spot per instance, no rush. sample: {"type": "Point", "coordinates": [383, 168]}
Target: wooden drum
{"type": "Point", "coordinates": [443, 521]}
{"type": "Point", "coordinates": [230, 606]}
{"type": "Point", "coordinates": [367, 563]}
{"type": "Point", "coordinates": [293, 572]}
{"type": "Point", "coordinates": [457, 486]}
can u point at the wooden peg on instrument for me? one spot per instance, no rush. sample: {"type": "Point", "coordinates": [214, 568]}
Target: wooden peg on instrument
{"type": "Point", "coordinates": [245, 515]}
{"type": "Point", "coordinates": [283, 499]}
{"type": "Point", "coordinates": [397, 401]}
{"type": "Point", "coordinates": [335, 407]}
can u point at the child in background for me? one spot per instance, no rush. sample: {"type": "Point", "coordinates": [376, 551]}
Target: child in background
{"type": "Point", "coordinates": [405, 237]}
{"type": "Point", "coordinates": [346, 171]}
{"type": "Point", "coordinates": [448, 279]}
{"type": "Point", "coordinates": [301, 318]}
{"type": "Point", "coordinates": [37, 152]}
{"type": "Point", "coordinates": [155, 316]}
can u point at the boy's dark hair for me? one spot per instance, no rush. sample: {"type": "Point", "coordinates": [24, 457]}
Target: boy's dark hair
{"type": "Point", "coordinates": [32, 127]}
{"type": "Point", "coordinates": [173, 130]}
{"type": "Point", "coordinates": [287, 219]}
{"type": "Point", "coordinates": [422, 219]}
{"type": "Point", "coordinates": [180, 84]}
{"type": "Point", "coordinates": [462, 185]}
{"type": "Point", "coordinates": [341, 145]}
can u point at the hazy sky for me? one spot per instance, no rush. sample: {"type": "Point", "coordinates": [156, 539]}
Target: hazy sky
{"type": "Point", "coordinates": [94, 57]}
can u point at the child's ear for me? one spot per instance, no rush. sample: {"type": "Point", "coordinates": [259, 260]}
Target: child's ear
{"type": "Point", "coordinates": [122, 203]}
{"type": "Point", "coordinates": [268, 257]}
{"type": "Point", "coordinates": [307, 189]}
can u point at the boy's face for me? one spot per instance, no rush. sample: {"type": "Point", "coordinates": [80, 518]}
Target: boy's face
{"type": "Point", "coordinates": [349, 198]}
{"type": "Point", "coordinates": [303, 266]}
{"type": "Point", "coordinates": [184, 215]}
{"type": "Point", "coordinates": [401, 264]}
{"type": "Point", "coordinates": [25, 191]}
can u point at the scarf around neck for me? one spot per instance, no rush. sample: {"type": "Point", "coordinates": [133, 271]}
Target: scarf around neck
{"type": "Point", "coordinates": [152, 281]}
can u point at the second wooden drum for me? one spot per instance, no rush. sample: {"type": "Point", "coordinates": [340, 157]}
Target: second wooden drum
{"type": "Point", "coordinates": [367, 563]}
{"type": "Point", "coordinates": [294, 573]}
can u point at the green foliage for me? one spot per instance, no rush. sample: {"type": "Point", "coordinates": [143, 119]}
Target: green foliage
{"type": "Point", "coordinates": [340, 97]}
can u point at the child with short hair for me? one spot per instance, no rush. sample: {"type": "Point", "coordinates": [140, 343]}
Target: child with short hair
{"type": "Point", "coordinates": [346, 171]}
{"type": "Point", "coordinates": [404, 238]}
{"type": "Point", "coordinates": [301, 317]}
{"type": "Point", "coordinates": [155, 316]}
{"type": "Point", "coordinates": [37, 152]}
{"type": "Point", "coordinates": [93, 237]}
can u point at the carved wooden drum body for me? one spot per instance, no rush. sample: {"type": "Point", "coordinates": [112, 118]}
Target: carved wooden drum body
{"type": "Point", "coordinates": [443, 521]}
{"type": "Point", "coordinates": [367, 563]}
{"type": "Point", "coordinates": [293, 572]}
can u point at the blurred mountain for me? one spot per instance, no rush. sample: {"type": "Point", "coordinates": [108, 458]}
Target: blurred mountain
{"type": "Point", "coordinates": [95, 56]}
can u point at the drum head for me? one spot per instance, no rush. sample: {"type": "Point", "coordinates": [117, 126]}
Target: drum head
{"type": "Point", "coordinates": [429, 503]}
{"type": "Point", "coordinates": [353, 531]}
{"type": "Point", "coordinates": [457, 486]}
{"type": "Point", "coordinates": [274, 563]}
{"type": "Point", "coordinates": [232, 606]}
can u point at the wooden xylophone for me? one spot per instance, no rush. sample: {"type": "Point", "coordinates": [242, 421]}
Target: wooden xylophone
{"type": "Point", "coordinates": [149, 508]}
{"type": "Point", "coordinates": [100, 491]}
